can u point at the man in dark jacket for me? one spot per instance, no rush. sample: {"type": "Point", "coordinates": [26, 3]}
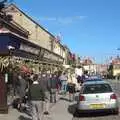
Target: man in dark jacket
{"type": "Point", "coordinates": [43, 80]}
{"type": "Point", "coordinates": [36, 96]}
{"type": "Point", "coordinates": [52, 83]}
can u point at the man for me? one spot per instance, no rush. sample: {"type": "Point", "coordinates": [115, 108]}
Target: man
{"type": "Point", "coordinates": [21, 86]}
{"type": "Point", "coordinates": [43, 80]}
{"type": "Point", "coordinates": [36, 96]}
{"type": "Point", "coordinates": [52, 84]}
{"type": "Point", "coordinates": [63, 79]}
{"type": "Point", "coordinates": [71, 90]}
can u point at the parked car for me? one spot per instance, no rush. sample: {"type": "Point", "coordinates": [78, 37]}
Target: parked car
{"type": "Point", "coordinates": [97, 96]}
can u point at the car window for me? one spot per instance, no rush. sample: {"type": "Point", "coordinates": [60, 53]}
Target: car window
{"type": "Point", "coordinates": [97, 88]}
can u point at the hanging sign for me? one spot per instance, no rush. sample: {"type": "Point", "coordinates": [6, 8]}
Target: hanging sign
{"type": "Point", "coordinates": [30, 49]}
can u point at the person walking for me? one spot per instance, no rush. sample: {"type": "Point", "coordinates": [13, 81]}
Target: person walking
{"type": "Point", "coordinates": [59, 85]}
{"type": "Point", "coordinates": [21, 88]}
{"type": "Point", "coordinates": [43, 80]}
{"type": "Point", "coordinates": [52, 84]}
{"type": "Point", "coordinates": [63, 79]}
{"type": "Point", "coordinates": [71, 90]}
{"type": "Point", "coordinates": [36, 97]}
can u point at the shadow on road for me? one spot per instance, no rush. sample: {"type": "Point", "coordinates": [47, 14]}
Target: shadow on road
{"type": "Point", "coordinates": [27, 112]}
{"type": "Point", "coordinates": [24, 118]}
{"type": "Point", "coordinates": [72, 110]}
{"type": "Point", "coordinates": [83, 115]}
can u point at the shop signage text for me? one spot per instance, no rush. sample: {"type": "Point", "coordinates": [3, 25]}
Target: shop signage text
{"type": "Point", "coordinates": [30, 49]}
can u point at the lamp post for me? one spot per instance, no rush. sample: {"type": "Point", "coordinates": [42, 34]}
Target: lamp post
{"type": "Point", "coordinates": [3, 89]}
{"type": "Point", "coordinates": [11, 49]}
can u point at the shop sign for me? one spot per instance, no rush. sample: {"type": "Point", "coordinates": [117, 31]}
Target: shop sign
{"type": "Point", "coordinates": [50, 56]}
{"type": "Point", "coordinates": [30, 49]}
{"type": "Point", "coordinates": [60, 60]}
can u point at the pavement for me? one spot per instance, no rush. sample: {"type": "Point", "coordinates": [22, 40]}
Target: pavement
{"type": "Point", "coordinates": [14, 114]}
{"type": "Point", "coordinates": [58, 111]}
{"type": "Point", "coordinates": [63, 110]}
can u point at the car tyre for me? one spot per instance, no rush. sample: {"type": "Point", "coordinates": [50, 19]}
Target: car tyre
{"type": "Point", "coordinates": [116, 111]}
{"type": "Point", "coordinates": [76, 113]}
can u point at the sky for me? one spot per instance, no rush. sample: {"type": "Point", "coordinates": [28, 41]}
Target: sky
{"type": "Point", "coordinates": [90, 28]}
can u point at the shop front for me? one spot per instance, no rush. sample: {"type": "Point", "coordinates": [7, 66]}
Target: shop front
{"type": "Point", "coordinates": [15, 50]}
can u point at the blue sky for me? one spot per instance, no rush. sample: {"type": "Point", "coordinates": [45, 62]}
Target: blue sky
{"type": "Point", "coordinates": [87, 27]}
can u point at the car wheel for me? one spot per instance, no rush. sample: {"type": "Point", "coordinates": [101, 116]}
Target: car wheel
{"type": "Point", "coordinates": [116, 111]}
{"type": "Point", "coordinates": [76, 113]}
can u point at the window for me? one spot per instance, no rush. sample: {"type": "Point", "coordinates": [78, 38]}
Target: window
{"type": "Point", "coordinates": [97, 88]}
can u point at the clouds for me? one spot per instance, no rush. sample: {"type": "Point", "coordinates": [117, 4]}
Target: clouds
{"type": "Point", "coordinates": [63, 20]}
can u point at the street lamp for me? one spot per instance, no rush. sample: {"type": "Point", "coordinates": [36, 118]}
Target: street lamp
{"type": "Point", "coordinates": [10, 48]}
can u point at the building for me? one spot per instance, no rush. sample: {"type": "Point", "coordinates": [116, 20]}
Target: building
{"type": "Point", "coordinates": [89, 66]}
{"type": "Point", "coordinates": [39, 44]}
{"type": "Point", "coordinates": [36, 33]}
{"type": "Point", "coordinates": [23, 40]}
{"type": "Point", "coordinates": [116, 66]}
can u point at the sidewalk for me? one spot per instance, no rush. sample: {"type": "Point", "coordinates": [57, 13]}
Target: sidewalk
{"type": "Point", "coordinates": [63, 110]}
{"type": "Point", "coordinates": [14, 114]}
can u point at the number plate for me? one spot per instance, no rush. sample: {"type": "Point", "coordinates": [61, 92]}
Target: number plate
{"type": "Point", "coordinates": [97, 106]}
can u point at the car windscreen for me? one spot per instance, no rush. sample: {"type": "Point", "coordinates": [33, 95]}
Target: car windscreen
{"type": "Point", "coordinates": [97, 88]}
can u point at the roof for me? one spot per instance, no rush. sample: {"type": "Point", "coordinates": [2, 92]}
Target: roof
{"type": "Point", "coordinates": [116, 61]}
{"type": "Point", "coordinates": [87, 61]}
{"type": "Point", "coordinates": [13, 5]}
{"type": "Point", "coordinates": [95, 82]}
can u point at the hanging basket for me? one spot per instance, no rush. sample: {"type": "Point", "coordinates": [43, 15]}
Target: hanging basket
{"type": "Point", "coordinates": [4, 63]}
{"type": "Point", "coordinates": [25, 69]}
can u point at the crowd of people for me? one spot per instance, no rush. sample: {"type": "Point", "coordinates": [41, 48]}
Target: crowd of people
{"type": "Point", "coordinates": [39, 90]}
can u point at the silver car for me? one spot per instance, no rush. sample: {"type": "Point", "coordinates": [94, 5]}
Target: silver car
{"type": "Point", "coordinates": [97, 96]}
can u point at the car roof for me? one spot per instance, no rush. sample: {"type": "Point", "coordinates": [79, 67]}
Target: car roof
{"type": "Point", "coordinates": [95, 76]}
{"type": "Point", "coordinates": [94, 79]}
{"type": "Point", "coordinates": [95, 82]}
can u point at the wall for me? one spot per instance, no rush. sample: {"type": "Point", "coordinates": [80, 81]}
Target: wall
{"type": "Point", "coordinates": [59, 49]}
{"type": "Point", "coordinates": [116, 69]}
{"type": "Point", "coordinates": [116, 72]}
{"type": "Point", "coordinates": [90, 68]}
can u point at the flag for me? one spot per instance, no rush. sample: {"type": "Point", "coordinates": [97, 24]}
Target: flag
{"type": "Point", "coordinates": [58, 37]}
